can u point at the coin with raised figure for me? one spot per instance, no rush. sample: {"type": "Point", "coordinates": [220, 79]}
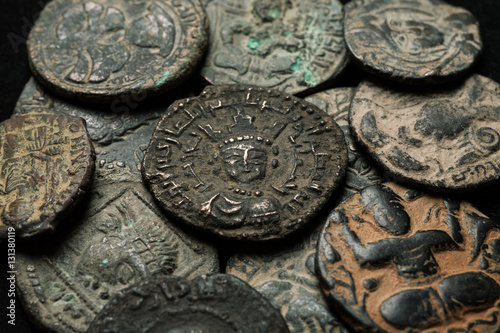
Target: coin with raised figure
{"type": "Point", "coordinates": [293, 46]}
{"type": "Point", "coordinates": [245, 162]}
{"type": "Point", "coordinates": [443, 139]}
{"type": "Point", "coordinates": [46, 165]}
{"type": "Point", "coordinates": [413, 41]}
{"type": "Point", "coordinates": [99, 50]}
{"type": "Point", "coordinates": [216, 303]}
{"type": "Point", "coordinates": [393, 259]}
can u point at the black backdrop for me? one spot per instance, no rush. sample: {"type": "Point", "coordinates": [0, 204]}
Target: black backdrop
{"type": "Point", "coordinates": [17, 17]}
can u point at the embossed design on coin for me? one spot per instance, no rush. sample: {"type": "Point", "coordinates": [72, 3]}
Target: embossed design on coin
{"type": "Point", "coordinates": [291, 46]}
{"type": "Point", "coordinates": [422, 41]}
{"type": "Point", "coordinates": [217, 303]}
{"type": "Point", "coordinates": [119, 239]}
{"type": "Point", "coordinates": [445, 140]}
{"type": "Point", "coordinates": [392, 259]}
{"type": "Point", "coordinates": [245, 163]}
{"type": "Point", "coordinates": [47, 161]}
{"type": "Point", "coordinates": [99, 50]}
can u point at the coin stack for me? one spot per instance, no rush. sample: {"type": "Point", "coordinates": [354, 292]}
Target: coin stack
{"type": "Point", "coordinates": [201, 166]}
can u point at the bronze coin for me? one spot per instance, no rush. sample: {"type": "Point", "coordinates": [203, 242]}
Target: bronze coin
{"type": "Point", "coordinates": [47, 162]}
{"type": "Point", "coordinates": [393, 259]}
{"type": "Point", "coordinates": [119, 238]}
{"type": "Point", "coordinates": [217, 304]}
{"type": "Point", "coordinates": [245, 162]}
{"type": "Point", "coordinates": [292, 46]}
{"type": "Point", "coordinates": [444, 140]}
{"type": "Point", "coordinates": [415, 41]}
{"type": "Point", "coordinates": [100, 49]}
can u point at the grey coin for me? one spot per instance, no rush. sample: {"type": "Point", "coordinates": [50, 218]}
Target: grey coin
{"type": "Point", "coordinates": [414, 41]}
{"type": "Point", "coordinates": [444, 140]}
{"type": "Point", "coordinates": [245, 162]}
{"type": "Point", "coordinates": [119, 238]}
{"type": "Point", "coordinates": [217, 303]}
{"type": "Point", "coordinates": [292, 46]}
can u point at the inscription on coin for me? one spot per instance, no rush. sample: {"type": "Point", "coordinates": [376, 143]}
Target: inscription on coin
{"type": "Point", "coordinates": [46, 163]}
{"type": "Point", "coordinates": [392, 259]}
{"type": "Point", "coordinates": [245, 163]}
{"type": "Point", "coordinates": [413, 41]}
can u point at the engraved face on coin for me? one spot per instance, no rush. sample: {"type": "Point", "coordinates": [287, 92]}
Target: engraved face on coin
{"type": "Point", "coordinates": [291, 46]}
{"type": "Point", "coordinates": [216, 303]}
{"type": "Point", "coordinates": [422, 41]}
{"type": "Point", "coordinates": [392, 259]}
{"type": "Point", "coordinates": [444, 140]}
{"type": "Point", "coordinates": [100, 49]}
{"type": "Point", "coordinates": [46, 164]}
{"type": "Point", "coordinates": [245, 163]}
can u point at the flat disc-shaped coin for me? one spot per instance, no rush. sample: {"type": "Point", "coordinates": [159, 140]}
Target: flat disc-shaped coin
{"type": "Point", "coordinates": [245, 162]}
{"type": "Point", "coordinates": [392, 259]}
{"type": "Point", "coordinates": [415, 41]}
{"type": "Point", "coordinates": [291, 46]}
{"type": "Point", "coordinates": [217, 304]}
{"type": "Point", "coordinates": [100, 49]}
{"type": "Point", "coordinates": [46, 164]}
{"type": "Point", "coordinates": [444, 140]}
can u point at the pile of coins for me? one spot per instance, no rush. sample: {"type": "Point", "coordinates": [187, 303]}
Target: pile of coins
{"type": "Point", "coordinates": [162, 143]}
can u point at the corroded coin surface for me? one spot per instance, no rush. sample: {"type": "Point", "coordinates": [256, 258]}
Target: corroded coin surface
{"type": "Point", "coordinates": [46, 164]}
{"type": "Point", "coordinates": [119, 238]}
{"type": "Point", "coordinates": [444, 140]}
{"type": "Point", "coordinates": [415, 41]}
{"type": "Point", "coordinates": [217, 303]}
{"type": "Point", "coordinates": [101, 49]}
{"type": "Point", "coordinates": [244, 162]}
{"type": "Point", "coordinates": [291, 46]}
{"type": "Point", "coordinates": [392, 259]}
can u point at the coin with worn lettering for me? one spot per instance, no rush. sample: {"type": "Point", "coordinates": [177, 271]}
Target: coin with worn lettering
{"type": "Point", "coordinates": [445, 140]}
{"type": "Point", "coordinates": [99, 50]}
{"type": "Point", "coordinates": [117, 239]}
{"type": "Point", "coordinates": [245, 162]}
{"type": "Point", "coordinates": [413, 41]}
{"type": "Point", "coordinates": [293, 46]}
{"type": "Point", "coordinates": [46, 164]}
{"type": "Point", "coordinates": [216, 303]}
{"type": "Point", "coordinates": [393, 259]}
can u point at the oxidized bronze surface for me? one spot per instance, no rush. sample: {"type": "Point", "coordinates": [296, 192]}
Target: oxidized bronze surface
{"type": "Point", "coordinates": [245, 162]}
{"type": "Point", "coordinates": [47, 162]}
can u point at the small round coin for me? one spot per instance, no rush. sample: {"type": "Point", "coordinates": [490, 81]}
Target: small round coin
{"type": "Point", "coordinates": [292, 46]}
{"type": "Point", "coordinates": [444, 140]}
{"type": "Point", "coordinates": [393, 259]}
{"type": "Point", "coordinates": [217, 304]}
{"type": "Point", "coordinates": [100, 49]}
{"type": "Point", "coordinates": [245, 162]}
{"type": "Point", "coordinates": [46, 164]}
{"type": "Point", "coordinates": [414, 41]}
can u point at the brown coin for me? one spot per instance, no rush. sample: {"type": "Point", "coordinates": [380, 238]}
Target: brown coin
{"type": "Point", "coordinates": [415, 41]}
{"type": "Point", "coordinates": [392, 259]}
{"type": "Point", "coordinates": [444, 140]}
{"type": "Point", "coordinates": [98, 50]}
{"type": "Point", "coordinates": [292, 46]}
{"type": "Point", "coordinates": [245, 162]}
{"type": "Point", "coordinates": [47, 162]}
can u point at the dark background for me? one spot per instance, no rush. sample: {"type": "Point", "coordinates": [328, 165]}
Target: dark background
{"type": "Point", "coordinates": [17, 17]}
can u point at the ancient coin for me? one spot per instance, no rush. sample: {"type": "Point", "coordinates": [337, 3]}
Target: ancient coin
{"type": "Point", "coordinates": [119, 238]}
{"type": "Point", "coordinates": [393, 259]}
{"type": "Point", "coordinates": [446, 139]}
{"type": "Point", "coordinates": [99, 50]}
{"type": "Point", "coordinates": [245, 162]}
{"type": "Point", "coordinates": [46, 164]}
{"type": "Point", "coordinates": [415, 41]}
{"type": "Point", "coordinates": [217, 303]}
{"type": "Point", "coordinates": [292, 46]}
